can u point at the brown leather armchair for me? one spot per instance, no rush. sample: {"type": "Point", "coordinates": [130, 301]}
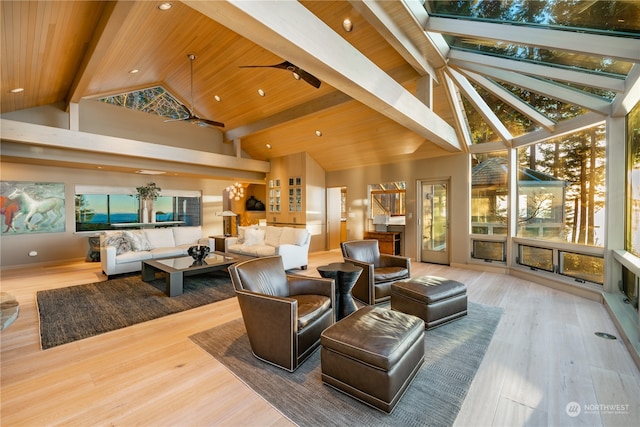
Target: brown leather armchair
{"type": "Point", "coordinates": [379, 271]}
{"type": "Point", "coordinates": [284, 314]}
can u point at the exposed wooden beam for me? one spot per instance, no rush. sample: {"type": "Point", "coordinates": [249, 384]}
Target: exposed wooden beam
{"type": "Point", "coordinates": [387, 25]}
{"type": "Point", "coordinates": [481, 106]}
{"type": "Point", "coordinates": [624, 102]}
{"type": "Point", "coordinates": [63, 138]}
{"type": "Point", "coordinates": [110, 23]}
{"type": "Point", "coordinates": [290, 31]}
{"type": "Point", "coordinates": [544, 71]}
{"type": "Point", "coordinates": [456, 106]}
{"type": "Point", "coordinates": [330, 100]}
{"type": "Point", "coordinates": [625, 49]}
{"type": "Point", "coordinates": [512, 100]}
{"type": "Point", "coordinates": [552, 90]}
{"type": "Point", "coordinates": [400, 74]}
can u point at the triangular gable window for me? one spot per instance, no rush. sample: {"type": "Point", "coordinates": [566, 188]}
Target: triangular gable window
{"type": "Point", "coordinates": [155, 100]}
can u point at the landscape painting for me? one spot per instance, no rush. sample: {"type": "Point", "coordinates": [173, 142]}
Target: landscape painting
{"type": "Point", "coordinates": [32, 207]}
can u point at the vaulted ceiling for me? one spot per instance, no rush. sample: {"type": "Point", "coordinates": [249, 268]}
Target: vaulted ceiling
{"type": "Point", "coordinates": [384, 97]}
{"type": "Point", "coordinates": [66, 51]}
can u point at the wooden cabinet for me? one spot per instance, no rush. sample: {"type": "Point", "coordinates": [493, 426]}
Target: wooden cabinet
{"type": "Point", "coordinates": [388, 241]}
{"type": "Point", "coordinates": [299, 196]}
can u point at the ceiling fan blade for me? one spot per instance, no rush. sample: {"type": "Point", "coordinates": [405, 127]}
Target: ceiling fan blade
{"type": "Point", "coordinates": [286, 65]}
{"type": "Point", "coordinates": [212, 123]}
{"type": "Point", "coordinates": [309, 78]}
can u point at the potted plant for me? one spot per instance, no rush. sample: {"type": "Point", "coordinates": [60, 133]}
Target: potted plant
{"type": "Point", "coordinates": [149, 192]}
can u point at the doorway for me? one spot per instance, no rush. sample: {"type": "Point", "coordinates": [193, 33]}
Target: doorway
{"type": "Point", "coordinates": [434, 221]}
{"type": "Point", "coordinates": [336, 217]}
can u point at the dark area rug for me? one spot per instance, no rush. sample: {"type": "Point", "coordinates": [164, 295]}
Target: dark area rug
{"type": "Point", "coordinates": [453, 353]}
{"type": "Point", "coordinates": [77, 312]}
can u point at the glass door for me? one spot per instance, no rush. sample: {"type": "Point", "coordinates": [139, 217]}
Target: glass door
{"type": "Point", "coordinates": [434, 222]}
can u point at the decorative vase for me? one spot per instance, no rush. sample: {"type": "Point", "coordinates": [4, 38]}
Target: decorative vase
{"type": "Point", "coordinates": [145, 212]}
{"type": "Point", "coordinates": [199, 252]}
{"type": "Point", "coordinates": [153, 216]}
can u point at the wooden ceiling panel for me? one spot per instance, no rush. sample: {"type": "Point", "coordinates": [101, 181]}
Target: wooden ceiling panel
{"type": "Point", "coordinates": [68, 50]}
{"type": "Point", "coordinates": [42, 45]}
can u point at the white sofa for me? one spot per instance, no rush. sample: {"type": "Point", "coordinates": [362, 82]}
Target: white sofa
{"type": "Point", "coordinates": [123, 251]}
{"type": "Point", "coordinates": [292, 244]}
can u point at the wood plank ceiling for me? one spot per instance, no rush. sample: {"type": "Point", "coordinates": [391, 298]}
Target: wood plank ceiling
{"type": "Point", "coordinates": [65, 51]}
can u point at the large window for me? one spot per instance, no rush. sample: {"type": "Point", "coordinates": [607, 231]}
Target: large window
{"type": "Point", "coordinates": [632, 229]}
{"type": "Point", "coordinates": [489, 177]}
{"type": "Point", "coordinates": [561, 188]}
{"type": "Point", "coordinates": [105, 208]}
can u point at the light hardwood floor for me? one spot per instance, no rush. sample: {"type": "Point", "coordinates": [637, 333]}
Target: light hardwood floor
{"type": "Point", "coordinates": [543, 356]}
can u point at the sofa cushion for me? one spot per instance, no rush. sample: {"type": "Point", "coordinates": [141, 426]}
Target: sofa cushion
{"type": "Point", "coordinates": [293, 236]}
{"type": "Point", "coordinates": [160, 237]}
{"type": "Point", "coordinates": [167, 252]}
{"type": "Point", "coordinates": [133, 256]}
{"type": "Point", "coordinates": [258, 250]}
{"type": "Point", "coordinates": [254, 237]}
{"type": "Point", "coordinates": [185, 235]}
{"type": "Point", "coordinates": [272, 235]}
{"type": "Point", "coordinates": [138, 240]}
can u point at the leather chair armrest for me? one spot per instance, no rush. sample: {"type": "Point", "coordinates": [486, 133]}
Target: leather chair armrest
{"type": "Point", "coordinates": [363, 288]}
{"type": "Point", "coordinates": [272, 326]}
{"type": "Point", "coordinates": [394, 261]}
{"type": "Point", "coordinates": [300, 285]}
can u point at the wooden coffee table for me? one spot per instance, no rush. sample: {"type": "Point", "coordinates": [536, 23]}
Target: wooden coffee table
{"type": "Point", "coordinates": [176, 268]}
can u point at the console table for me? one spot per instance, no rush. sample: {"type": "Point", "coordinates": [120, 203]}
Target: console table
{"type": "Point", "coordinates": [389, 242]}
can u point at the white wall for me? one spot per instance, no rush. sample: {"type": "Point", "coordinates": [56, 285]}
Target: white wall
{"type": "Point", "coordinates": [454, 167]}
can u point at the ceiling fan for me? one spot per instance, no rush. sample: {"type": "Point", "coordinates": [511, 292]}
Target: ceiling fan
{"type": "Point", "coordinates": [298, 73]}
{"type": "Point", "coordinates": [191, 117]}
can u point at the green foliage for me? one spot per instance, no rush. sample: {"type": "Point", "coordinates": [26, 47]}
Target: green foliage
{"type": "Point", "coordinates": [148, 192]}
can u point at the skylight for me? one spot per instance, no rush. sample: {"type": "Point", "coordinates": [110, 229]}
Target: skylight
{"type": "Point", "coordinates": [153, 100]}
{"type": "Point", "coordinates": [523, 65]}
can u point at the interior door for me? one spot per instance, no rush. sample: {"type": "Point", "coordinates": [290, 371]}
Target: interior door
{"type": "Point", "coordinates": [434, 222]}
{"type": "Point", "coordinates": [334, 222]}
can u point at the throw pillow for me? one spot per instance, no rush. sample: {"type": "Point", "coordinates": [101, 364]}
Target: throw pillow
{"type": "Point", "coordinates": [272, 236]}
{"type": "Point", "coordinates": [138, 240]}
{"type": "Point", "coordinates": [121, 244]}
{"type": "Point", "coordinates": [253, 237]}
{"type": "Point", "coordinates": [242, 230]}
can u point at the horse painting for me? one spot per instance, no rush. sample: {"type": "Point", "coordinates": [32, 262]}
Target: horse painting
{"type": "Point", "coordinates": [32, 208]}
{"type": "Point", "coordinates": [8, 208]}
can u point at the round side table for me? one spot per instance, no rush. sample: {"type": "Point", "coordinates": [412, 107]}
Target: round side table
{"type": "Point", "coordinates": [345, 276]}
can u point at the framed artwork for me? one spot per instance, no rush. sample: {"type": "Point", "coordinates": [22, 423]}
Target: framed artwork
{"type": "Point", "coordinates": [32, 207]}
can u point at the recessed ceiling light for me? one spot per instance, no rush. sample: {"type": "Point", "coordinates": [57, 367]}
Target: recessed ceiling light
{"type": "Point", "coordinates": [134, 71]}
{"type": "Point", "coordinates": [268, 146]}
{"type": "Point", "coordinates": [347, 25]}
{"type": "Point", "coordinates": [318, 133]}
{"type": "Point", "coordinates": [17, 90]}
{"type": "Point", "coordinates": [150, 172]}
{"type": "Point", "coordinates": [261, 92]}
{"type": "Point", "coordinates": [217, 98]}
{"type": "Point", "coordinates": [165, 6]}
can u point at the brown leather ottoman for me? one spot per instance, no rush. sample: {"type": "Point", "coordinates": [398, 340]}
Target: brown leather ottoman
{"type": "Point", "coordinates": [435, 300]}
{"type": "Point", "coordinates": [373, 355]}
